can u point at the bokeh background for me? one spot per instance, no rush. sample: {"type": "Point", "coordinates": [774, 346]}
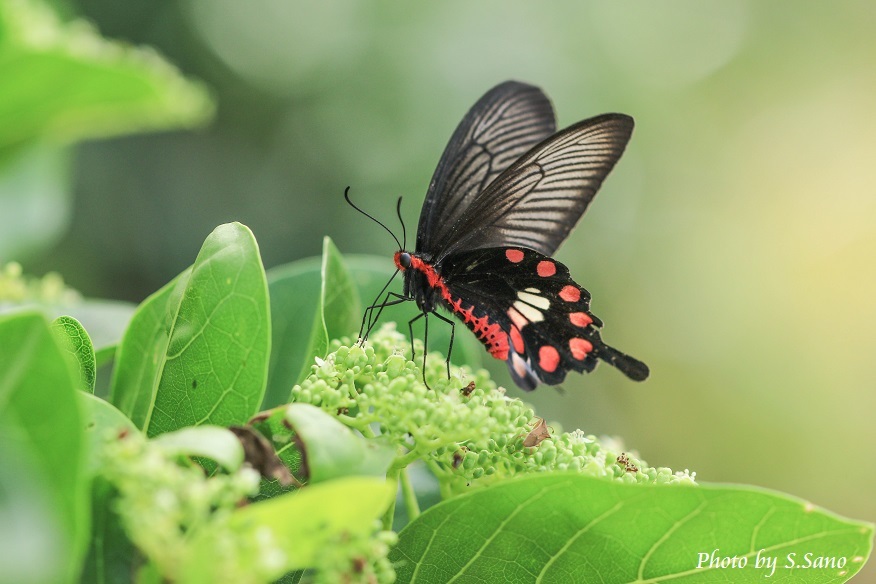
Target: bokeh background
{"type": "Point", "coordinates": [732, 249]}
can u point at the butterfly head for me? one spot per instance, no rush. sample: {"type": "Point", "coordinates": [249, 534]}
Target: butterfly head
{"type": "Point", "coordinates": [402, 260]}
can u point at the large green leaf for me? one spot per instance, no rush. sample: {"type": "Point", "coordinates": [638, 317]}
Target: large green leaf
{"type": "Point", "coordinates": [196, 352]}
{"type": "Point", "coordinates": [43, 482]}
{"type": "Point", "coordinates": [571, 528]}
{"type": "Point", "coordinates": [63, 81]}
{"type": "Point", "coordinates": [311, 303]}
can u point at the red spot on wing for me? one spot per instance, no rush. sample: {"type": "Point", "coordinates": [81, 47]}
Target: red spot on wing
{"type": "Point", "coordinates": [546, 268]}
{"type": "Point", "coordinates": [518, 319]}
{"type": "Point", "coordinates": [570, 293]}
{"type": "Point", "coordinates": [580, 347]}
{"type": "Point", "coordinates": [514, 255]}
{"type": "Point", "coordinates": [548, 358]}
{"type": "Point", "coordinates": [581, 319]}
{"type": "Point", "coordinates": [516, 339]}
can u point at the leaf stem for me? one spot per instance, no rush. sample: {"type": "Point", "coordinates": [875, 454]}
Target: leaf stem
{"type": "Point", "coordinates": [410, 496]}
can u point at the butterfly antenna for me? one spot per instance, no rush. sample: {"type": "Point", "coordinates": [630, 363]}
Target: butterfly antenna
{"type": "Point", "coordinates": [402, 221]}
{"type": "Point", "coordinates": [347, 197]}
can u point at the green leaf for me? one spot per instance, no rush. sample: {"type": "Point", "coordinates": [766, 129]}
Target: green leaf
{"type": "Point", "coordinates": [196, 351]}
{"type": "Point", "coordinates": [139, 366]}
{"type": "Point", "coordinates": [112, 557]}
{"type": "Point", "coordinates": [332, 450]}
{"type": "Point", "coordinates": [63, 81]}
{"type": "Point", "coordinates": [105, 320]}
{"type": "Point", "coordinates": [571, 528]}
{"type": "Point", "coordinates": [217, 444]}
{"type": "Point", "coordinates": [43, 483]}
{"type": "Point", "coordinates": [35, 192]}
{"type": "Point", "coordinates": [311, 303]}
{"type": "Point", "coordinates": [100, 420]}
{"type": "Point", "coordinates": [307, 520]}
{"type": "Point", "coordinates": [77, 344]}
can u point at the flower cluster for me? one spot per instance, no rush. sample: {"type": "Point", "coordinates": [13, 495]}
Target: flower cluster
{"type": "Point", "coordinates": [17, 287]}
{"type": "Point", "coordinates": [179, 518]}
{"type": "Point", "coordinates": [465, 428]}
{"type": "Point", "coordinates": [357, 560]}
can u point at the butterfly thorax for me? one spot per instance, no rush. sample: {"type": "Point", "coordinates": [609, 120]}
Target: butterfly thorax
{"type": "Point", "coordinates": [425, 285]}
{"type": "Point", "coordinates": [422, 282]}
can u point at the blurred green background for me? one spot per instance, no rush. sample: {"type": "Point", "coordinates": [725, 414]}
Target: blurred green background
{"type": "Point", "coordinates": [732, 249]}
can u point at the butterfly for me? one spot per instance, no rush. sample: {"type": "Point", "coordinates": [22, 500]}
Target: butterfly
{"type": "Point", "coordinates": [506, 193]}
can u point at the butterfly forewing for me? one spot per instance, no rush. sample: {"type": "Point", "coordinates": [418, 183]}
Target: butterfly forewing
{"type": "Point", "coordinates": [500, 128]}
{"type": "Point", "coordinates": [537, 201]}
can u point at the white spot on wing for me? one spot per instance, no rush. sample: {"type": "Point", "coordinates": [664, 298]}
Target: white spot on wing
{"type": "Point", "coordinates": [530, 313]}
{"type": "Point", "coordinates": [533, 290]}
{"type": "Point", "coordinates": [537, 301]}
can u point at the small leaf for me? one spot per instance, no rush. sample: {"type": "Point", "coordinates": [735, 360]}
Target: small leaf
{"type": "Point", "coordinates": [77, 344]}
{"type": "Point", "coordinates": [196, 351]}
{"type": "Point", "coordinates": [100, 420]}
{"type": "Point", "coordinates": [217, 444]}
{"type": "Point", "coordinates": [310, 305]}
{"type": "Point", "coordinates": [305, 521]}
{"type": "Point", "coordinates": [332, 450]}
{"type": "Point", "coordinates": [571, 528]}
{"type": "Point", "coordinates": [44, 486]}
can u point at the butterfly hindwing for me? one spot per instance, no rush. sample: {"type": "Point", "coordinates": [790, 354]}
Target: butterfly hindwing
{"type": "Point", "coordinates": [545, 314]}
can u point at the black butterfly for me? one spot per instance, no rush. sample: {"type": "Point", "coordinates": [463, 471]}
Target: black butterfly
{"type": "Point", "coordinates": [505, 195]}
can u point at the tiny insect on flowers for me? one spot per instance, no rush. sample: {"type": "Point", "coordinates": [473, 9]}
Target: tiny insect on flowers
{"type": "Point", "coordinates": [507, 191]}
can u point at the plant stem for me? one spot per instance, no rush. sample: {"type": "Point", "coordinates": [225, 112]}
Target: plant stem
{"type": "Point", "coordinates": [391, 475]}
{"type": "Point", "coordinates": [410, 497]}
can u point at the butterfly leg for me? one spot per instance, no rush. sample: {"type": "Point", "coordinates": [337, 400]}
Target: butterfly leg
{"type": "Point", "coordinates": [370, 309]}
{"type": "Point", "coordinates": [425, 342]}
{"type": "Point", "coordinates": [452, 334]}
{"type": "Point", "coordinates": [379, 306]}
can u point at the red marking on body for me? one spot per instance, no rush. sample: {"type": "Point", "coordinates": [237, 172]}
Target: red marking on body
{"type": "Point", "coordinates": [514, 255]}
{"type": "Point", "coordinates": [516, 339]}
{"type": "Point", "coordinates": [546, 268]}
{"type": "Point", "coordinates": [580, 318]}
{"type": "Point", "coordinates": [489, 333]}
{"type": "Point", "coordinates": [570, 293]}
{"type": "Point", "coordinates": [580, 347]}
{"type": "Point", "coordinates": [548, 358]}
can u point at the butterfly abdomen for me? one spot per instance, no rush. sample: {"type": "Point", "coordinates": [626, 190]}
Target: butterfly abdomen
{"type": "Point", "coordinates": [487, 330]}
